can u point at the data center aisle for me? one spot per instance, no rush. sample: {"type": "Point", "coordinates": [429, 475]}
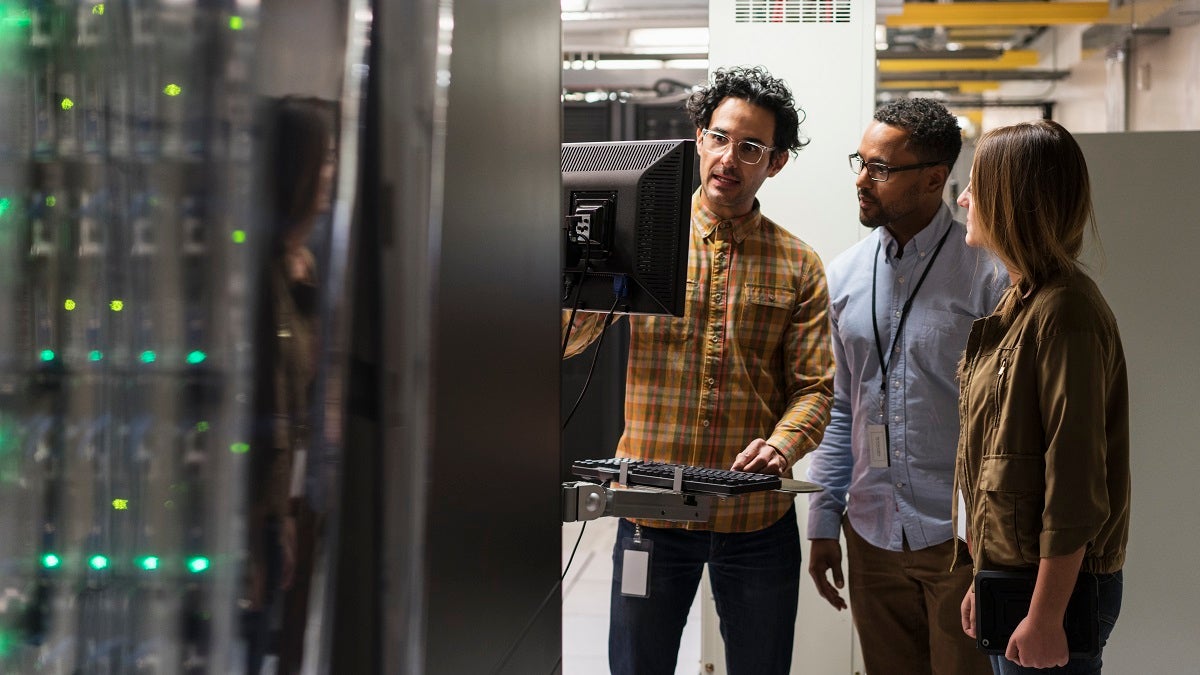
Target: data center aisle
{"type": "Point", "coordinates": [585, 604]}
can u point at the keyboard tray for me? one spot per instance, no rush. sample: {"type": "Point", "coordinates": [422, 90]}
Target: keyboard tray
{"type": "Point", "coordinates": [695, 478]}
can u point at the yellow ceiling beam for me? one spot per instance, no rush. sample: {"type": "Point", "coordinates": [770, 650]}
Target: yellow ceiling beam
{"type": "Point", "coordinates": [966, 87]}
{"type": "Point", "coordinates": [1016, 58]}
{"type": "Point", "coordinates": [978, 32]}
{"type": "Point", "coordinates": [997, 13]}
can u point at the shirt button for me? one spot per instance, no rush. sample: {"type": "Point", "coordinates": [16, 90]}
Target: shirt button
{"type": "Point", "coordinates": [896, 418]}
{"type": "Point", "coordinates": [922, 254]}
{"type": "Point", "coordinates": [897, 453]}
{"type": "Point", "coordinates": [900, 279]}
{"type": "Point", "coordinates": [896, 384]}
{"type": "Point", "coordinates": [709, 380]}
{"type": "Point", "coordinates": [897, 315]}
{"type": "Point", "coordinates": [899, 485]}
{"type": "Point", "coordinates": [705, 422]}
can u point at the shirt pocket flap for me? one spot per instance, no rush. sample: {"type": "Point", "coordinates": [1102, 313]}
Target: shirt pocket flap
{"type": "Point", "coordinates": [1012, 473]}
{"type": "Point", "coordinates": [771, 296]}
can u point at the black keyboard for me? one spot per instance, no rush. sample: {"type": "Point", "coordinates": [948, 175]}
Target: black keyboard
{"type": "Point", "coordinates": [659, 474]}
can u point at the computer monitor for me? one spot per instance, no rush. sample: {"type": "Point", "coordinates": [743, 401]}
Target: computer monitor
{"type": "Point", "coordinates": [626, 209]}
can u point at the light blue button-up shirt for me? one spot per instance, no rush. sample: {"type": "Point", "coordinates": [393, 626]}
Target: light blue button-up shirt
{"type": "Point", "coordinates": [912, 496]}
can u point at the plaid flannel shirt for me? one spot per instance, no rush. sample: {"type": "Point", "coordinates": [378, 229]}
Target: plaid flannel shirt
{"type": "Point", "coordinates": [751, 358]}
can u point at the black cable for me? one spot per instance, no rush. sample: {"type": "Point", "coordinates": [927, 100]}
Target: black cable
{"type": "Point", "coordinates": [608, 318]}
{"type": "Point", "coordinates": [538, 612]}
{"type": "Point", "coordinates": [587, 253]}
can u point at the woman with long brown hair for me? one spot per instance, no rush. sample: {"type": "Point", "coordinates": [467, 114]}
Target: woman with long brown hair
{"type": "Point", "coordinates": [1043, 457]}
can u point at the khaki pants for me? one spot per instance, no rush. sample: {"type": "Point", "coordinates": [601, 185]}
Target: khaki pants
{"type": "Point", "coordinates": [905, 606]}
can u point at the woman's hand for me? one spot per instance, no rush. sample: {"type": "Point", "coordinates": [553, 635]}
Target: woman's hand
{"type": "Point", "coordinates": [967, 612]}
{"type": "Point", "coordinates": [1038, 645]}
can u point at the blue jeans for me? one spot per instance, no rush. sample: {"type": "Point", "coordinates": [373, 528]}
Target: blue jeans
{"type": "Point", "coordinates": [1111, 589]}
{"type": "Point", "coordinates": [755, 579]}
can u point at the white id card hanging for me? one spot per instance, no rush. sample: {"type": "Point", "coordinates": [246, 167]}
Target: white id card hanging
{"type": "Point", "coordinates": [877, 444]}
{"type": "Point", "coordinates": [635, 565]}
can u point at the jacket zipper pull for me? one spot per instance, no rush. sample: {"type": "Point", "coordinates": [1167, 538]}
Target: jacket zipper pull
{"type": "Point", "coordinates": [1003, 365]}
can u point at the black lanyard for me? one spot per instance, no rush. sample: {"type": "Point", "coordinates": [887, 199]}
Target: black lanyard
{"type": "Point", "coordinates": [907, 304]}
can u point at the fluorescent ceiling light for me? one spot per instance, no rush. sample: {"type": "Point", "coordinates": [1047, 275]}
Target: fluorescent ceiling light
{"type": "Point", "coordinates": [669, 37]}
{"type": "Point", "coordinates": [687, 64]}
{"type": "Point", "coordinates": [630, 64]}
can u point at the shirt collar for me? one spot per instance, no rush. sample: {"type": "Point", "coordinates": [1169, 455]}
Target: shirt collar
{"type": "Point", "coordinates": [925, 241]}
{"type": "Point", "coordinates": [707, 223]}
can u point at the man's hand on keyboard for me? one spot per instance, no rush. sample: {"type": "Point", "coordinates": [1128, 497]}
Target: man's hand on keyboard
{"type": "Point", "coordinates": [760, 457]}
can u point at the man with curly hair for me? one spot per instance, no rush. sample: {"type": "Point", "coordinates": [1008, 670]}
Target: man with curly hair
{"type": "Point", "coordinates": [742, 381]}
{"type": "Point", "coordinates": [901, 305]}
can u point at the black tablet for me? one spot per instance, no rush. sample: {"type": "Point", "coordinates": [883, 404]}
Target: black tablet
{"type": "Point", "coordinates": [1002, 600]}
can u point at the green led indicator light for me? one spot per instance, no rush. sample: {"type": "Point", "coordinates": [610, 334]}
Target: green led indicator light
{"type": "Point", "coordinates": [116, 305]}
{"type": "Point", "coordinates": [95, 355]}
{"type": "Point", "coordinates": [236, 23]}
{"type": "Point", "coordinates": [69, 305]}
{"type": "Point", "coordinates": [172, 90]}
{"type": "Point", "coordinates": [67, 104]}
{"type": "Point", "coordinates": [46, 355]}
{"type": "Point", "coordinates": [201, 426]}
{"type": "Point", "coordinates": [21, 20]}
{"type": "Point", "coordinates": [148, 356]}
{"type": "Point", "coordinates": [197, 564]}
{"type": "Point", "coordinates": [98, 9]}
{"type": "Point", "coordinates": [98, 562]}
{"type": "Point", "coordinates": [239, 448]}
{"type": "Point", "coordinates": [5, 204]}
{"type": "Point", "coordinates": [238, 236]}
{"type": "Point", "coordinates": [121, 504]}
{"type": "Point", "coordinates": [149, 562]}
{"type": "Point", "coordinates": [196, 357]}
{"type": "Point", "coordinates": [51, 561]}
{"type": "Point", "coordinates": [51, 200]}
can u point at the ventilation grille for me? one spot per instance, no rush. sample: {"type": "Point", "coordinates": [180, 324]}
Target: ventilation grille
{"type": "Point", "coordinates": [792, 11]}
{"type": "Point", "coordinates": [615, 157]}
{"type": "Point", "coordinates": [657, 235]}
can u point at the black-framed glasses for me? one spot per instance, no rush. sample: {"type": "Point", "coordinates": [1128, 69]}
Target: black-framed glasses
{"type": "Point", "coordinates": [747, 152]}
{"type": "Point", "coordinates": [879, 172]}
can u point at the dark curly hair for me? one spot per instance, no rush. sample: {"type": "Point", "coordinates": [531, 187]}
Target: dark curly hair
{"type": "Point", "coordinates": [753, 85]}
{"type": "Point", "coordinates": [933, 133]}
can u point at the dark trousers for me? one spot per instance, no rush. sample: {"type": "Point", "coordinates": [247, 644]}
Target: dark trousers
{"type": "Point", "coordinates": [1112, 587]}
{"type": "Point", "coordinates": [755, 579]}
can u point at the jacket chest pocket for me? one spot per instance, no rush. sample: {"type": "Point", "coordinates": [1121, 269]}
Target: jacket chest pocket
{"type": "Point", "coordinates": [762, 314]}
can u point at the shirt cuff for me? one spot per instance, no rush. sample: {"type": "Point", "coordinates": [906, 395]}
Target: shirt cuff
{"type": "Point", "coordinates": [824, 524]}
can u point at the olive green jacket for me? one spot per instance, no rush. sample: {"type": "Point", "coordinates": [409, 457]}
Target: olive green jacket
{"type": "Point", "coordinates": [1043, 451]}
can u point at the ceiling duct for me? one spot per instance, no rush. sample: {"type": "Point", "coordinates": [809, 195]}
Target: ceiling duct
{"type": "Point", "coordinates": [1155, 20]}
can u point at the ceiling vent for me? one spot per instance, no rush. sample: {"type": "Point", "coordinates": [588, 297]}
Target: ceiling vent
{"type": "Point", "coordinates": [792, 11]}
